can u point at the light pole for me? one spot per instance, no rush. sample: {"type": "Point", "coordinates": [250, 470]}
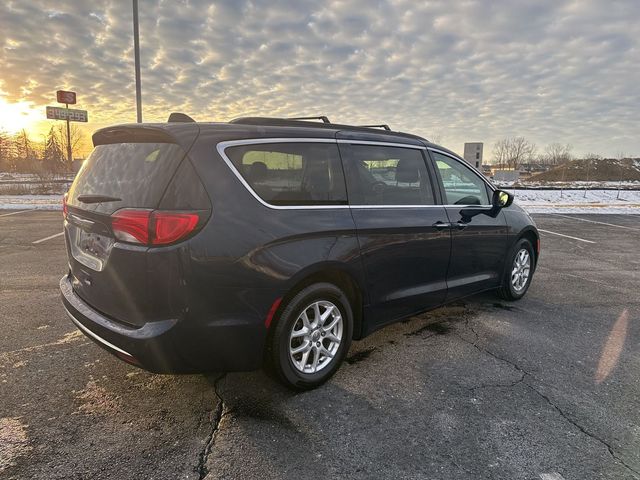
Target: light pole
{"type": "Point", "coordinates": [136, 50]}
{"type": "Point", "coordinates": [69, 154]}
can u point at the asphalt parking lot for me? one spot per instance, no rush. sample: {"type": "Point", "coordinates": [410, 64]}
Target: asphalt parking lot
{"type": "Point", "coordinates": [545, 388]}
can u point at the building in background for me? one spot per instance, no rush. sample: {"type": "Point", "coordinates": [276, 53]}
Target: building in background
{"type": "Point", "coordinates": [473, 153]}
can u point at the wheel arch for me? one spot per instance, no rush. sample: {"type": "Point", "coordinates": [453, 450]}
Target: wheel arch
{"type": "Point", "coordinates": [533, 236]}
{"type": "Point", "coordinates": [336, 274]}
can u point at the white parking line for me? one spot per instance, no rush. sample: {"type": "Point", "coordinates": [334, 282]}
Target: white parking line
{"type": "Point", "coordinates": [48, 238]}
{"type": "Point", "coordinates": [566, 236]}
{"type": "Point", "coordinates": [594, 221]}
{"type": "Point", "coordinates": [15, 213]}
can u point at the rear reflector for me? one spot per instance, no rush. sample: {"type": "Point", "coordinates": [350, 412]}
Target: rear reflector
{"type": "Point", "coordinates": [148, 227]}
{"type": "Point", "coordinates": [272, 312]}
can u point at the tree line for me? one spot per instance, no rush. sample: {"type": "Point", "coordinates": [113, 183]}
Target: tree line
{"type": "Point", "coordinates": [514, 152]}
{"type": "Point", "coordinates": [20, 154]}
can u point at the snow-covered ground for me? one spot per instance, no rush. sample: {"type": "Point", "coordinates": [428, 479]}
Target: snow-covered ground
{"type": "Point", "coordinates": [577, 184]}
{"type": "Point", "coordinates": [534, 201]}
{"type": "Point", "coordinates": [26, 177]}
{"type": "Point", "coordinates": [25, 202]}
{"type": "Point", "coordinates": [577, 201]}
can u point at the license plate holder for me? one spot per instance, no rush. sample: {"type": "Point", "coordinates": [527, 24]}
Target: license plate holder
{"type": "Point", "coordinates": [89, 248]}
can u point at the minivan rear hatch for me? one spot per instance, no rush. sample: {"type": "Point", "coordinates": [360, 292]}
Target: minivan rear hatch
{"type": "Point", "coordinates": [134, 195]}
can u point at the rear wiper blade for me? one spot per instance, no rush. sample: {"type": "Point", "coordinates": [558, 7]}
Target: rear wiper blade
{"type": "Point", "coordinates": [97, 198]}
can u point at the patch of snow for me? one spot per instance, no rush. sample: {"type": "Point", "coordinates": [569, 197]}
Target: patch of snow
{"type": "Point", "coordinates": [577, 184]}
{"type": "Point", "coordinates": [25, 177]}
{"type": "Point", "coordinates": [578, 201]}
{"type": "Point", "coordinates": [41, 202]}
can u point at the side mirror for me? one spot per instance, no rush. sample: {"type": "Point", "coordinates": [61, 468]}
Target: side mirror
{"type": "Point", "coordinates": [501, 199]}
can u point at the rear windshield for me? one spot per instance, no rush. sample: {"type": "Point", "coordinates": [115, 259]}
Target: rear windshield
{"type": "Point", "coordinates": [133, 175]}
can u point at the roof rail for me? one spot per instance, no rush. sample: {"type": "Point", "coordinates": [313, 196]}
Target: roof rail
{"type": "Point", "coordinates": [288, 122]}
{"type": "Point", "coordinates": [384, 125]}
{"type": "Point", "coordinates": [177, 117]}
{"type": "Point", "coordinates": [324, 118]}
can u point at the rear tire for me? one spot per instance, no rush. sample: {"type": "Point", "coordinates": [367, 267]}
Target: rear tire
{"type": "Point", "coordinates": [311, 337]}
{"type": "Point", "coordinates": [518, 271]}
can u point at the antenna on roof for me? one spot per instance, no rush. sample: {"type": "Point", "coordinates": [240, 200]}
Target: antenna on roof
{"type": "Point", "coordinates": [324, 118]}
{"type": "Point", "coordinates": [177, 117]}
{"type": "Point", "coordinates": [384, 125]}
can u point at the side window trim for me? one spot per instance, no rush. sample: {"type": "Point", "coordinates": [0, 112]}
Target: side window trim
{"type": "Point", "coordinates": [222, 146]}
{"type": "Point", "coordinates": [428, 187]}
{"type": "Point", "coordinates": [490, 188]}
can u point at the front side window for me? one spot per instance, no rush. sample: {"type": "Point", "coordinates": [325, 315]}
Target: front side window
{"type": "Point", "coordinates": [380, 175]}
{"type": "Point", "coordinates": [461, 185]}
{"type": "Point", "coordinates": [292, 173]}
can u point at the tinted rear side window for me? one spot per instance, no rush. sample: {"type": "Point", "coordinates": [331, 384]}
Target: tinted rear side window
{"type": "Point", "coordinates": [379, 175]}
{"type": "Point", "coordinates": [135, 173]}
{"type": "Point", "coordinates": [292, 173]}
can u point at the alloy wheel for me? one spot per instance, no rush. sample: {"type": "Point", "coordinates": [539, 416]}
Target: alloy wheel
{"type": "Point", "coordinates": [316, 337]}
{"type": "Point", "coordinates": [521, 270]}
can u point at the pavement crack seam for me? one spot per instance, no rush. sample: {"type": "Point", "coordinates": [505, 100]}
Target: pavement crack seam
{"type": "Point", "coordinates": [613, 454]}
{"type": "Point", "coordinates": [526, 374]}
{"type": "Point", "coordinates": [202, 469]}
{"type": "Point", "coordinates": [500, 385]}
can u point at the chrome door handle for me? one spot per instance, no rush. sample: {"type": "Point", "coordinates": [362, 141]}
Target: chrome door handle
{"type": "Point", "coordinates": [441, 225]}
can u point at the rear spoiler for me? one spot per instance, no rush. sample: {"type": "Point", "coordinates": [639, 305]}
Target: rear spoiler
{"type": "Point", "coordinates": [132, 134]}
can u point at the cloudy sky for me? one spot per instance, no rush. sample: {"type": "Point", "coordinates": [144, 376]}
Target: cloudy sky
{"type": "Point", "coordinates": [548, 70]}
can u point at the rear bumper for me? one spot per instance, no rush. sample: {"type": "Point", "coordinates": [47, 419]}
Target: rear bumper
{"type": "Point", "coordinates": [170, 346]}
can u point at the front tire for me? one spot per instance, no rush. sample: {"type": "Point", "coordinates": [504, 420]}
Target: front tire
{"type": "Point", "coordinates": [311, 336]}
{"type": "Point", "coordinates": [519, 271]}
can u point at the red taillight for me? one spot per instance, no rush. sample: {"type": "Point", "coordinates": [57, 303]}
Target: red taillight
{"type": "Point", "coordinates": [152, 227]}
{"type": "Point", "coordinates": [131, 225]}
{"type": "Point", "coordinates": [169, 227]}
{"type": "Point", "coordinates": [65, 210]}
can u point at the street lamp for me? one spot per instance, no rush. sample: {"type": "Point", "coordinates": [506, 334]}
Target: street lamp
{"type": "Point", "coordinates": [136, 50]}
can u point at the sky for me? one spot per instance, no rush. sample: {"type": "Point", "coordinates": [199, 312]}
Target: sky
{"type": "Point", "coordinates": [453, 71]}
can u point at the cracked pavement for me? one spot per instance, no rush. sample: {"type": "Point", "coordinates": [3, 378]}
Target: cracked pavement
{"type": "Point", "coordinates": [479, 389]}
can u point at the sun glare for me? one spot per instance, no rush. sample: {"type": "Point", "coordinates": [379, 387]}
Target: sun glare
{"type": "Point", "coordinates": [16, 116]}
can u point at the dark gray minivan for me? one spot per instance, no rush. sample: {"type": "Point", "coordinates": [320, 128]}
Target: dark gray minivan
{"type": "Point", "coordinates": [227, 246]}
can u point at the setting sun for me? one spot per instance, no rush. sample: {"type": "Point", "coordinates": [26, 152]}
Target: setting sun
{"type": "Point", "coordinates": [16, 116]}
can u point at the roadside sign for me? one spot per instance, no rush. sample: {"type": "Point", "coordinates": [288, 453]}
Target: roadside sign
{"type": "Point", "coordinates": [67, 114]}
{"type": "Point", "coordinates": [64, 96]}
{"type": "Point", "coordinates": [73, 115]}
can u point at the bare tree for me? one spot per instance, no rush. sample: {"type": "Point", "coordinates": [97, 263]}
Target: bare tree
{"type": "Point", "coordinates": [77, 138]}
{"type": "Point", "coordinates": [436, 137]}
{"type": "Point", "coordinates": [501, 152]}
{"type": "Point", "coordinates": [25, 152]}
{"type": "Point", "coordinates": [513, 152]}
{"type": "Point", "coordinates": [557, 154]}
{"type": "Point", "coordinates": [592, 156]}
{"type": "Point", "coordinates": [6, 151]}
